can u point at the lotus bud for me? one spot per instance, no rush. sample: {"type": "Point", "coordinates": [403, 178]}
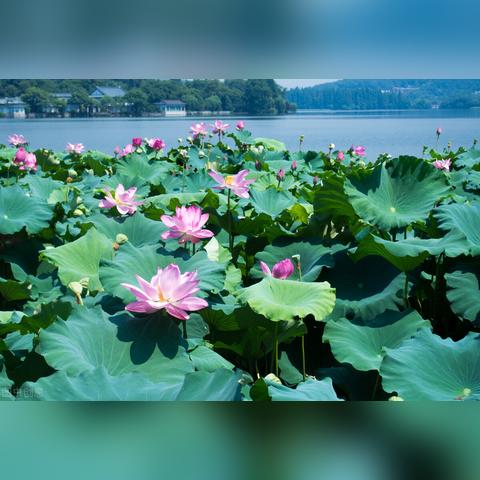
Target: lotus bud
{"type": "Point", "coordinates": [180, 140]}
{"type": "Point", "coordinates": [340, 156]}
{"type": "Point", "coordinates": [121, 238]}
{"type": "Point", "coordinates": [258, 165]}
{"type": "Point", "coordinates": [301, 138]}
{"type": "Point", "coordinates": [331, 147]}
{"type": "Point", "coordinates": [439, 131]}
{"type": "Point", "coordinates": [280, 174]}
{"type": "Point", "coordinates": [77, 212]}
{"type": "Point", "coordinates": [201, 154]}
{"type": "Point", "coordinates": [273, 378]}
{"type": "Point", "coordinates": [294, 165]}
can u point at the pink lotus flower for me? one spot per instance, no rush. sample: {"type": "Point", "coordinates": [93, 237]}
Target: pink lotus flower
{"type": "Point", "coordinates": [315, 180]}
{"type": "Point", "coordinates": [236, 183]}
{"type": "Point", "coordinates": [199, 129]}
{"type": "Point", "coordinates": [125, 151]}
{"type": "Point", "coordinates": [17, 140]}
{"type": "Point", "coordinates": [186, 225]}
{"type": "Point", "coordinates": [169, 290]}
{"type": "Point", "coordinates": [443, 164]}
{"type": "Point", "coordinates": [117, 150]}
{"type": "Point", "coordinates": [340, 156]}
{"type": "Point", "coordinates": [219, 127]}
{"type": "Point", "coordinates": [77, 148]}
{"type": "Point", "coordinates": [439, 131]}
{"type": "Point", "coordinates": [25, 160]}
{"type": "Point", "coordinates": [280, 174]}
{"type": "Point", "coordinates": [137, 142]}
{"type": "Point", "coordinates": [123, 200]}
{"type": "Point", "coordinates": [281, 270]}
{"type": "Point", "coordinates": [359, 151]}
{"type": "Point", "coordinates": [20, 156]}
{"type": "Point", "coordinates": [240, 125]}
{"type": "Point", "coordinates": [156, 144]}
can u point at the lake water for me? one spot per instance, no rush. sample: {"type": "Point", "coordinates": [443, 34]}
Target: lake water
{"type": "Point", "coordinates": [379, 131]}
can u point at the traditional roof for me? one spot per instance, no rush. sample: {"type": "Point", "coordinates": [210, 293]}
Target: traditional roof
{"type": "Point", "coordinates": [109, 91]}
{"type": "Point", "coordinates": [170, 102]}
{"type": "Point", "coordinates": [11, 101]}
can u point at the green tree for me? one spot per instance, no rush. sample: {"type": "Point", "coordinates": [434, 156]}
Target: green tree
{"type": "Point", "coordinates": [36, 99]}
{"type": "Point", "coordinates": [213, 103]}
{"type": "Point", "coordinates": [138, 101]}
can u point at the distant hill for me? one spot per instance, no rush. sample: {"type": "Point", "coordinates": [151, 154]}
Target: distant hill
{"type": "Point", "coordinates": [388, 94]}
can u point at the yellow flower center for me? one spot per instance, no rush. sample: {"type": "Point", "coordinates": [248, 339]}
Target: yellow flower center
{"type": "Point", "coordinates": [229, 180]}
{"type": "Point", "coordinates": [161, 296]}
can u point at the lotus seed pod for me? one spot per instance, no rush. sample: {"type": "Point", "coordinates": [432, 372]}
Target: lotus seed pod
{"type": "Point", "coordinates": [77, 212]}
{"type": "Point", "coordinates": [121, 238]}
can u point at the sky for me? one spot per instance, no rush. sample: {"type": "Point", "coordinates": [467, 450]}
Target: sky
{"type": "Point", "coordinates": [302, 82]}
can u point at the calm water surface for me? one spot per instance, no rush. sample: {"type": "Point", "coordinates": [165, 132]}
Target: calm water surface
{"type": "Point", "coordinates": [379, 131]}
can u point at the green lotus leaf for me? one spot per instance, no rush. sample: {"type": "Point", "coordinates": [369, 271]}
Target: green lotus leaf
{"type": "Point", "coordinates": [330, 198]}
{"type": "Point", "coordinates": [98, 385]}
{"type": "Point", "coordinates": [19, 210]}
{"type": "Point", "coordinates": [42, 187]}
{"type": "Point", "coordinates": [139, 229]}
{"type": "Point", "coordinates": [270, 143]}
{"type": "Point", "coordinates": [5, 385]}
{"type": "Point", "coordinates": [11, 290]}
{"type": "Point", "coordinates": [280, 300]}
{"type": "Point", "coordinates": [271, 201]}
{"type": "Point", "coordinates": [397, 195]}
{"type": "Point", "coordinates": [145, 261]}
{"type": "Point", "coordinates": [205, 359]}
{"type": "Point", "coordinates": [182, 198]}
{"type": "Point", "coordinates": [88, 340]}
{"type": "Point", "coordinates": [310, 390]}
{"type": "Point", "coordinates": [313, 257]}
{"type": "Point", "coordinates": [464, 294]}
{"type": "Point", "coordinates": [136, 166]}
{"type": "Point", "coordinates": [366, 288]}
{"type": "Point", "coordinates": [428, 367]}
{"type": "Point", "coordinates": [468, 159]}
{"type": "Point", "coordinates": [363, 346]}
{"type": "Point", "coordinates": [288, 372]}
{"type": "Point", "coordinates": [81, 258]}
{"type": "Point", "coordinates": [407, 254]}
{"type": "Point", "coordinates": [221, 385]}
{"type": "Point", "coordinates": [462, 219]}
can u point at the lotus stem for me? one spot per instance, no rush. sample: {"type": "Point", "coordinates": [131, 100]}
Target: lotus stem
{"type": "Point", "coordinates": [193, 249]}
{"type": "Point", "coordinates": [229, 215]}
{"type": "Point", "coordinates": [405, 291]}
{"type": "Point", "coordinates": [184, 328]}
{"type": "Point", "coordinates": [303, 358]}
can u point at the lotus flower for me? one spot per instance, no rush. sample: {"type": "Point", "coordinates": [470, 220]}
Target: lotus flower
{"type": "Point", "coordinates": [280, 174]}
{"type": "Point", "coordinates": [169, 290]}
{"type": "Point", "coordinates": [443, 164]}
{"type": "Point", "coordinates": [25, 160]}
{"type": "Point", "coordinates": [359, 151]}
{"type": "Point", "coordinates": [236, 183]}
{"type": "Point", "coordinates": [137, 142]}
{"type": "Point", "coordinates": [199, 129]}
{"type": "Point", "coordinates": [294, 165]}
{"type": "Point", "coordinates": [17, 140]}
{"type": "Point", "coordinates": [123, 200]}
{"type": "Point", "coordinates": [156, 144]}
{"type": "Point", "coordinates": [186, 225]}
{"type": "Point", "coordinates": [315, 180]}
{"type": "Point", "coordinates": [125, 151]}
{"type": "Point", "coordinates": [77, 148]}
{"type": "Point", "coordinates": [281, 270]}
{"type": "Point", "coordinates": [219, 127]}
{"type": "Point", "coordinates": [340, 156]}
{"type": "Point", "coordinates": [240, 125]}
{"type": "Point", "coordinates": [439, 131]}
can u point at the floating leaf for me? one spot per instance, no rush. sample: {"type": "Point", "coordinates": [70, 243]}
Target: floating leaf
{"type": "Point", "coordinates": [310, 390]}
{"type": "Point", "coordinates": [280, 300]}
{"type": "Point", "coordinates": [428, 367]}
{"type": "Point", "coordinates": [363, 346]}
{"type": "Point", "coordinates": [81, 259]}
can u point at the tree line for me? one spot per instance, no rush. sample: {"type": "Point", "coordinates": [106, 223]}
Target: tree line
{"type": "Point", "coordinates": [254, 97]}
{"type": "Point", "coordinates": [388, 94]}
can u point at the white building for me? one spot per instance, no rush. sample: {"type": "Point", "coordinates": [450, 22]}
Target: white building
{"type": "Point", "coordinates": [12, 107]}
{"type": "Point", "coordinates": [172, 108]}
